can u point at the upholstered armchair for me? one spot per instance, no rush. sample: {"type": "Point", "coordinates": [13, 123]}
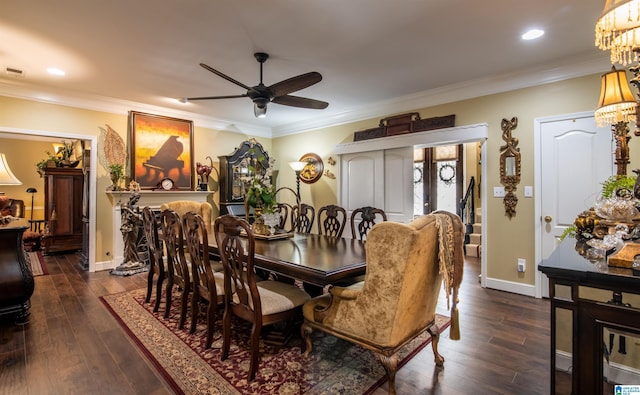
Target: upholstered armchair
{"type": "Point", "coordinates": [204, 209]}
{"type": "Point", "coordinates": [406, 265]}
{"type": "Point", "coordinates": [182, 207]}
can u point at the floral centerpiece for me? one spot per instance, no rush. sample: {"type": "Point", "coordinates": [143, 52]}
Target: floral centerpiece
{"type": "Point", "coordinates": [260, 193]}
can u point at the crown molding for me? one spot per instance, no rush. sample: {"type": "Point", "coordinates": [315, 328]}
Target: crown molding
{"type": "Point", "coordinates": [574, 67]}
{"type": "Point", "coordinates": [578, 66]}
{"type": "Point", "coordinates": [118, 106]}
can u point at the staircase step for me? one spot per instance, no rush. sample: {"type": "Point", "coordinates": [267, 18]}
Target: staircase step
{"type": "Point", "coordinates": [472, 250]}
{"type": "Point", "coordinates": [478, 216]}
{"type": "Point", "coordinates": [477, 228]}
{"type": "Point", "coordinates": [475, 238]}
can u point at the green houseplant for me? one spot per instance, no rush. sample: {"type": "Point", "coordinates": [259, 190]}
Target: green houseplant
{"type": "Point", "coordinates": [115, 173]}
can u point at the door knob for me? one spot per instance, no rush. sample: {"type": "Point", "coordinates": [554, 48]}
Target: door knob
{"type": "Point", "coordinates": [547, 219]}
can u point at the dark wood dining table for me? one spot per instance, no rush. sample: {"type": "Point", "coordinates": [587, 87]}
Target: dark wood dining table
{"type": "Point", "coordinates": [314, 259]}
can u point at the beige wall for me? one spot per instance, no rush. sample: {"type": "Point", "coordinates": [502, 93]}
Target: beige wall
{"type": "Point", "coordinates": [35, 116]}
{"type": "Point", "coordinates": [507, 239]}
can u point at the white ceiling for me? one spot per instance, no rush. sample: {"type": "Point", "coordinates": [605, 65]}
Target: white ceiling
{"type": "Point", "coordinates": [377, 57]}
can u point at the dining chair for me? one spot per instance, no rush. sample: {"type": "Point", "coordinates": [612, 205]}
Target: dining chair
{"type": "Point", "coordinates": [260, 303]}
{"type": "Point", "coordinates": [203, 209]}
{"type": "Point", "coordinates": [302, 217]}
{"type": "Point", "coordinates": [365, 217]}
{"type": "Point", "coordinates": [283, 209]}
{"type": "Point", "coordinates": [208, 286]}
{"type": "Point", "coordinates": [177, 268]}
{"type": "Point", "coordinates": [332, 220]}
{"type": "Point", "coordinates": [156, 264]}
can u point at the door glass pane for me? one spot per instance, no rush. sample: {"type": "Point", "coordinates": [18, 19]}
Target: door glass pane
{"type": "Point", "coordinates": [446, 198]}
{"type": "Point", "coordinates": [418, 189]}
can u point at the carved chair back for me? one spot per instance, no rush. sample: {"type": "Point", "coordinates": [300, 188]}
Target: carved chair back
{"type": "Point", "coordinates": [156, 265]}
{"type": "Point", "coordinates": [302, 217]}
{"type": "Point", "coordinates": [332, 220]}
{"type": "Point", "coordinates": [205, 284]}
{"type": "Point", "coordinates": [365, 217]}
{"type": "Point", "coordinates": [177, 267]}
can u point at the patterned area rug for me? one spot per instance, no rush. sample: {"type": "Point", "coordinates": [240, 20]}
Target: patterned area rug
{"type": "Point", "coordinates": [334, 367]}
{"type": "Point", "coordinates": [36, 260]}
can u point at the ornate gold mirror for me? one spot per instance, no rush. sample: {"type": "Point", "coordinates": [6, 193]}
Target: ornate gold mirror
{"type": "Point", "coordinates": [509, 165]}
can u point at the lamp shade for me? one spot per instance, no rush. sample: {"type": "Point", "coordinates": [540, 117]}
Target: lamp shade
{"type": "Point", "coordinates": [6, 175]}
{"type": "Point", "coordinates": [297, 166]}
{"type": "Point", "coordinates": [616, 100]}
{"type": "Point", "coordinates": [615, 29]}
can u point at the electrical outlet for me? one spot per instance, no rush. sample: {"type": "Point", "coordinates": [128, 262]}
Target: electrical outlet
{"type": "Point", "coordinates": [521, 265]}
{"type": "Point", "coordinates": [498, 192]}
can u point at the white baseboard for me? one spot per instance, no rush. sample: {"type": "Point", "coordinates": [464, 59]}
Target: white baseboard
{"type": "Point", "coordinates": [105, 265]}
{"type": "Point", "coordinates": [510, 286]}
{"type": "Point", "coordinates": [614, 373]}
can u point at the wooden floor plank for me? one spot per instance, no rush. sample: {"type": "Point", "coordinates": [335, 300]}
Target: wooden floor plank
{"type": "Point", "coordinates": [73, 345]}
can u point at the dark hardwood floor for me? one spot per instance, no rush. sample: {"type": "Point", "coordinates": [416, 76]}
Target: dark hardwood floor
{"type": "Point", "coordinates": [72, 345]}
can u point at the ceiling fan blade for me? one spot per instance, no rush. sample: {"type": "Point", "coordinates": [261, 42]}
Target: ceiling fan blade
{"type": "Point", "coordinates": [302, 102]}
{"type": "Point", "coordinates": [226, 77]}
{"type": "Point", "coordinates": [295, 83]}
{"type": "Point", "coordinates": [215, 97]}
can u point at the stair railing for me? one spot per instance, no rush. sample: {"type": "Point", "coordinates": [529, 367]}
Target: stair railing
{"type": "Point", "coordinates": [467, 209]}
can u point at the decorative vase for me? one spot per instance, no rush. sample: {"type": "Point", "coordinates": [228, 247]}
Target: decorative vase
{"type": "Point", "coordinates": [271, 221]}
{"type": "Point", "coordinates": [114, 181]}
{"type": "Point", "coordinates": [259, 226]}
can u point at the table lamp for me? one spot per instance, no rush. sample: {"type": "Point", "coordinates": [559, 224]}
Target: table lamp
{"type": "Point", "coordinates": [6, 178]}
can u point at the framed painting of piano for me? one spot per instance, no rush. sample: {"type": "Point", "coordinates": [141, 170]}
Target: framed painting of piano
{"type": "Point", "coordinates": [161, 149]}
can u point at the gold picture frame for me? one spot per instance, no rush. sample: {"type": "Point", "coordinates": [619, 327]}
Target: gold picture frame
{"type": "Point", "coordinates": [161, 147]}
{"type": "Point", "coordinates": [313, 169]}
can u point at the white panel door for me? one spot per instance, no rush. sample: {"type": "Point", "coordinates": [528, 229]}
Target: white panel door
{"type": "Point", "coordinates": [398, 184]}
{"type": "Point", "coordinates": [362, 180]}
{"type": "Point", "coordinates": [575, 158]}
{"type": "Point", "coordinates": [382, 179]}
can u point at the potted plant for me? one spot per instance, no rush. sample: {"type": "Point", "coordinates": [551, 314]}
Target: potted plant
{"type": "Point", "coordinates": [116, 173]}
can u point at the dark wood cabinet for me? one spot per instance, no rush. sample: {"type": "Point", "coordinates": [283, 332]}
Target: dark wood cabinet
{"type": "Point", "coordinates": [63, 190]}
{"type": "Point", "coordinates": [570, 278]}
{"type": "Point", "coordinates": [245, 161]}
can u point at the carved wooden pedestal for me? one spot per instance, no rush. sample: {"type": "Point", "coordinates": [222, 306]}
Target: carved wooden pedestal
{"type": "Point", "coordinates": [16, 280]}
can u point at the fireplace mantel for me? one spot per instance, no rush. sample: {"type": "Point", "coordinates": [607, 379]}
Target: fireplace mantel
{"type": "Point", "coordinates": [153, 199]}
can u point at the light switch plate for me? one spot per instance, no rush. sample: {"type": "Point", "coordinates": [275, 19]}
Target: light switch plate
{"type": "Point", "coordinates": [528, 191]}
{"type": "Point", "coordinates": [498, 192]}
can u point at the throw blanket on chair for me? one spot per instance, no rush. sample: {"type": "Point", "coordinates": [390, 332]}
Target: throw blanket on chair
{"type": "Point", "coordinates": [451, 258]}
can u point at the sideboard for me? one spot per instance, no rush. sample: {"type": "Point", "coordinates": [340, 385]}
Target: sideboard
{"type": "Point", "coordinates": [566, 268]}
{"type": "Point", "coordinates": [16, 279]}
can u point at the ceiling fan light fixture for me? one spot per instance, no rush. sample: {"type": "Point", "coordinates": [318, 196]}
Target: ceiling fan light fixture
{"type": "Point", "coordinates": [260, 107]}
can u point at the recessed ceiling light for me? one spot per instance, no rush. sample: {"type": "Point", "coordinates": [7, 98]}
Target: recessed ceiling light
{"type": "Point", "coordinates": [533, 34]}
{"type": "Point", "coordinates": [56, 71]}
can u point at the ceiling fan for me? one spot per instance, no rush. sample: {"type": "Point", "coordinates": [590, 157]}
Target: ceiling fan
{"type": "Point", "coordinates": [278, 93]}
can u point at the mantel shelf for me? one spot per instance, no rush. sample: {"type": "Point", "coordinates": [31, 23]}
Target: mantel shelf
{"type": "Point", "coordinates": [155, 198]}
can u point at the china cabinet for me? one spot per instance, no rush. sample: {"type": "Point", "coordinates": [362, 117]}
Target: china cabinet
{"type": "Point", "coordinates": [247, 160]}
{"type": "Point", "coordinates": [63, 209]}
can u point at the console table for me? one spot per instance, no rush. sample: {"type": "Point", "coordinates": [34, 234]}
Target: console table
{"type": "Point", "coordinates": [16, 279]}
{"type": "Point", "coordinates": [565, 267]}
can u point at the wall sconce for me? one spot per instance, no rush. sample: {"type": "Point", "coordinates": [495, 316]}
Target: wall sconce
{"type": "Point", "coordinates": [617, 107]}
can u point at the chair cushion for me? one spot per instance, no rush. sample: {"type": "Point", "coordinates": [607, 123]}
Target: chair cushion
{"type": "Point", "coordinates": [277, 296]}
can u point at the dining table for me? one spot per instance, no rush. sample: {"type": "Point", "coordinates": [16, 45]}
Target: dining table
{"type": "Point", "coordinates": [316, 260]}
